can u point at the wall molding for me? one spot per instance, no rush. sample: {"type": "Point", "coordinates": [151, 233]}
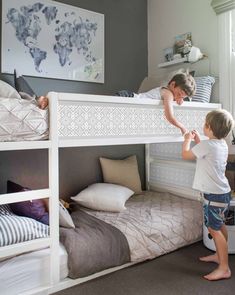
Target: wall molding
{"type": "Point", "coordinates": [221, 6]}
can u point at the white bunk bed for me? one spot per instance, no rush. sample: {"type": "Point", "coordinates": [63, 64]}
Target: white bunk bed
{"type": "Point", "coordinates": [94, 120]}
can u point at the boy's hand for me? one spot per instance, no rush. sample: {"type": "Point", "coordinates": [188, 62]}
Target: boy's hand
{"type": "Point", "coordinates": [196, 136]}
{"type": "Point", "coordinates": [189, 136]}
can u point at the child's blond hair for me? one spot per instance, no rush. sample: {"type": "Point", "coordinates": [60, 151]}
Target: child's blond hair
{"type": "Point", "coordinates": [185, 81]}
{"type": "Point", "coordinates": [220, 122]}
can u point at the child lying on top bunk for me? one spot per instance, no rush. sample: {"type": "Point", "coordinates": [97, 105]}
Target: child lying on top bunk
{"type": "Point", "coordinates": [180, 86]}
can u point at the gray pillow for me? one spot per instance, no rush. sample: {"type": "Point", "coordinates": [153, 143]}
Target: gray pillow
{"type": "Point", "coordinates": [21, 85]}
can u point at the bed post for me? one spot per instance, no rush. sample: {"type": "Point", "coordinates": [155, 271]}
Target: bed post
{"type": "Point", "coordinates": [54, 188]}
{"type": "Point", "coordinates": [147, 165]}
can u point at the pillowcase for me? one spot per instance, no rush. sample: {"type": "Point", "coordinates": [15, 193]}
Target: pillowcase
{"type": "Point", "coordinates": [7, 91]}
{"type": "Point", "coordinates": [15, 229]}
{"type": "Point", "coordinates": [65, 218]}
{"type": "Point", "coordinates": [104, 197]}
{"type": "Point", "coordinates": [35, 209]}
{"type": "Point", "coordinates": [124, 172]}
{"type": "Point", "coordinates": [203, 88]}
{"type": "Point", "coordinates": [21, 85]}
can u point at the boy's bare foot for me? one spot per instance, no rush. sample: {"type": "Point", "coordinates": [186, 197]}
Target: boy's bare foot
{"type": "Point", "coordinates": [218, 274]}
{"type": "Point", "coordinates": [210, 258]}
{"type": "Point", "coordinates": [42, 102]}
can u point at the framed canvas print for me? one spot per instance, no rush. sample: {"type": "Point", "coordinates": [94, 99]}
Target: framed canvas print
{"type": "Point", "coordinates": [52, 40]}
{"type": "Point", "coordinates": [183, 43]}
{"type": "Point", "coordinates": [168, 53]}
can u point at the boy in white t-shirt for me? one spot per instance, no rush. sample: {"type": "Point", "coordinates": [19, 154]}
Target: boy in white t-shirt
{"type": "Point", "coordinates": [210, 179]}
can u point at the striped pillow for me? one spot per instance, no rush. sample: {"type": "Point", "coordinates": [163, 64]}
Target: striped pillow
{"type": "Point", "coordinates": [15, 229]}
{"type": "Point", "coordinates": [203, 88]}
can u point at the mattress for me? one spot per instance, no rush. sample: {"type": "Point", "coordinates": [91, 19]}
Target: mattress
{"type": "Point", "coordinates": [22, 120]}
{"type": "Point", "coordinates": [156, 223]}
{"type": "Point", "coordinates": [27, 271]}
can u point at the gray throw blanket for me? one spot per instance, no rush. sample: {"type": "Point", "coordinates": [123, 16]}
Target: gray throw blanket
{"type": "Point", "coordinates": [93, 245]}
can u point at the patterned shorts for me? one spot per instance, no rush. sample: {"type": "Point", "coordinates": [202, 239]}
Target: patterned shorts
{"type": "Point", "coordinates": [215, 215]}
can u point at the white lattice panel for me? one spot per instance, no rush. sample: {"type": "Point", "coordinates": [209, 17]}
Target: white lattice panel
{"type": "Point", "coordinates": [92, 120]}
{"type": "Point", "coordinates": [171, 150]}
{"type": "Point", "coordinates": [173, 175]}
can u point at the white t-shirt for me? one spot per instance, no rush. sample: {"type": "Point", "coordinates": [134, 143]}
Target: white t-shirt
{"type": "Point", "coordinates": [210, 167]}
{"type": "Point", "coordinates": [154, 93]}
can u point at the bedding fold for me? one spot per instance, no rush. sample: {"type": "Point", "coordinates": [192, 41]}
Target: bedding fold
{"type": "Point", "coordinates": [93, 245]}
{"type": "Point", "coordinates": [22, 120]}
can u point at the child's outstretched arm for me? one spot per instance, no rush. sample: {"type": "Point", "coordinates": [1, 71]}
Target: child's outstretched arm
{"type": "Point", "coordinates": [169, 113]}
{"type": "Point", "coordinates": [187, 154]}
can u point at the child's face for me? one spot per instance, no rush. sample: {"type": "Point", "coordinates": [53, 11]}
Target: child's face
{"type": "Point", "coordinates": [207, 131]}
{"type": "Point", "coordinates": [178, 94]}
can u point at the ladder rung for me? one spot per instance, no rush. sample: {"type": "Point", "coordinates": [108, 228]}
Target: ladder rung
{"type": "Point", "coordinates": [24, 196]}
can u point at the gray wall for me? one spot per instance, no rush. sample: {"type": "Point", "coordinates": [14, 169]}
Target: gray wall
{"type": "Point", "coordinates": [125, 49]}
{"type": "Point", "coordinates": [125, 68]}
{"type": "Point", "coordinates": [79, 167]}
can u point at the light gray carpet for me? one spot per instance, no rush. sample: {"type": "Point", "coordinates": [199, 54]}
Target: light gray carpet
{"type": "Point", "coordinates": [177, 273]}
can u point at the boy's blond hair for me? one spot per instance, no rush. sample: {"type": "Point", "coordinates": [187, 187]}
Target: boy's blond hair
{"type": "Point", "coordinates": [185, 81]}
{"type": "Point", "coordinates": [220, 122]}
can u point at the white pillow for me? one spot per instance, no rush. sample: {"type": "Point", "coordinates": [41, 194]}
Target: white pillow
{"type": "Point", "coordinates": [104, 197]}
{"type": "Point", "coordinates": [65, 218]}
{"type": "Point", "coordinates": [7, 91]}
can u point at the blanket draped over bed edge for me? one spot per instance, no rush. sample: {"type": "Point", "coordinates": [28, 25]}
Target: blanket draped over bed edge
{"type": "Point", "coordinates": [93, 245]}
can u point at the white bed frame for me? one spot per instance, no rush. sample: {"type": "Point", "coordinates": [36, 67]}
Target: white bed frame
{"type": "Point", "coordinates": [94, 120]}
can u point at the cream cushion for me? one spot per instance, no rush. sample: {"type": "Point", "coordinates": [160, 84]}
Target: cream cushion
{"type": "Point", "coordinates": [7, 91]}
{"type": "Point", "coordinates": [124, 172]}
{"type": "Point", "coordinates": [104, 197]}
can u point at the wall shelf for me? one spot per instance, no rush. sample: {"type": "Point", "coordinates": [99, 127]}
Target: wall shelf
{"type": "Point", "coordinates": [173, 62]}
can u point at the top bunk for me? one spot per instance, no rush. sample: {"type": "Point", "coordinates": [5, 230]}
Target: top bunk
{"type": "Point", "coordinates": [91, 120]}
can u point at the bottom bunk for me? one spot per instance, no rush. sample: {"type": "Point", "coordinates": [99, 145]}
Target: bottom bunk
{"type": "Point", "coordinates": [115, 226]}
{"type": "Point", "coordinates": [153, 224]}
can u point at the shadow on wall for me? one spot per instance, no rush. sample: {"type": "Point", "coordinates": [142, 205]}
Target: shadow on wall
{"type": "Point", "coordinates": [79, 167]}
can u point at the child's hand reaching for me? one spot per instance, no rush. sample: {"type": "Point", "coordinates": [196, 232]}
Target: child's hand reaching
{"type": "Point", "coordinates": [196, 136]}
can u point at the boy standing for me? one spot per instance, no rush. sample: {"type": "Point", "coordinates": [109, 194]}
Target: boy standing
{"type": "Point", "coordinates": [210, 179]}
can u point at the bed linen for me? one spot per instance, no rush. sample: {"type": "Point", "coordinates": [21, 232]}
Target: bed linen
{"type": "Point", "coordinates": [28, 271]}
{"type": "Point", "coordinates": [156, 223]}
{"type": "Point", "coordinates": [92, 245]}
{"type": "Point", "coordinates": [22, 120]}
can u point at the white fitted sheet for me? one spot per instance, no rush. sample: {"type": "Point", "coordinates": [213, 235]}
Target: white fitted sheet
{"type": "Point", "coordinates": [27, 271]}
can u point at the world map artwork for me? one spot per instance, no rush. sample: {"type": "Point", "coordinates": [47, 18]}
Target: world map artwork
{"type": "Point", "coordinates": [53, 40]}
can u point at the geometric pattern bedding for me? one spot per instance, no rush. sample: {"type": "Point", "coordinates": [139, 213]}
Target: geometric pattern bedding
{"type": "Point", "coordinates": [156, 223]}
{"type": "Point", "coordinates": [22, 120]}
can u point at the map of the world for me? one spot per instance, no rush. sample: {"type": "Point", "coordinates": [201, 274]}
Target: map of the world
{"type": "Point", "coordinates": [50, 39]}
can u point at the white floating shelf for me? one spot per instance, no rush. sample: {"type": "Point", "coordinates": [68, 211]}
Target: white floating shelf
{"type": "Point", "coordinates": [173, 62]}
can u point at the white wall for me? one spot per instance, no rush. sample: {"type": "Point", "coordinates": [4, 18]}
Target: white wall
{"type": "Point", "coordinates": [168, 18]}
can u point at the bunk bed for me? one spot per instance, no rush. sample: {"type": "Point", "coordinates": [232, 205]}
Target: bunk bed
{"type": "Point", "coordinates": [94, 120]}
